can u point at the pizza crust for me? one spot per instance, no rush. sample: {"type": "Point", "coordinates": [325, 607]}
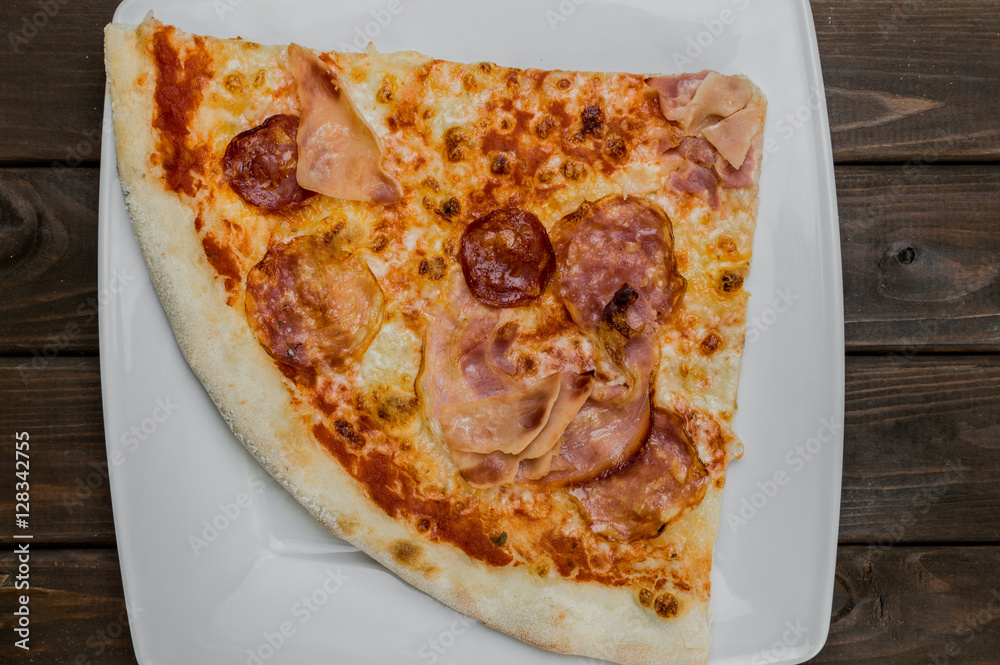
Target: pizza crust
{"type": "Point", "coordinates": [559, 614]}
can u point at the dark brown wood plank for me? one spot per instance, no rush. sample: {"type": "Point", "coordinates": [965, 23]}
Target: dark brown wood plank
{"type": "Point", "coordinates": [921, 440]}
{"type": "Point", "coordinates": [59, 406]}
{"type": "Point", "coordinates": [914, 605]}
{"type": "Point", "coordinates": [902, 606]}
{"type": "Point", "coordinates": [48, 243]}
{"type": "Point", "coordinates": [76, 605]}
{"type": "Point", "coordinates": [921, 257]}
{"type": "Point", "coordinates": [911, 81]}
{"type": "Point", "coordinates": [920, 462]}
{"type": "Point", "coordinates": [905, 80]}
{"type": "Point", "coordinates": [52, 90]}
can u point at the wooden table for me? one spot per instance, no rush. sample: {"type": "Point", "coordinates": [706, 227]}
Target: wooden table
{"type": "Point", "coordinates": [913, 89]}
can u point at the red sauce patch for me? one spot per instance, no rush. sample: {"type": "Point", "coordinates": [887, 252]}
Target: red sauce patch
{"type": "Point", "coordinates": [395, 491]}
{"type": "Point", "coordinates": [179, 87]}
{"type": "Point", "coordinates": [224, 261]}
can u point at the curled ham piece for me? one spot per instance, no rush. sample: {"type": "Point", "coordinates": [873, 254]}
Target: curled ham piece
{"type": "Point", "coordinates": [338, 153]}
{"type": "Point", "coordinates": [492, 414]}
{"type": "Point", "coordinates": [721, 114]}
{"type": "Point", "coordinates": [665, 480]}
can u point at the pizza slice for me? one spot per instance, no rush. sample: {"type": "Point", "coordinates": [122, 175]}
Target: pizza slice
{"type": "Point", "coordinates": [483, 322]}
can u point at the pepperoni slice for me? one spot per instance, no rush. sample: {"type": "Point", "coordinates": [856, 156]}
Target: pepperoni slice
{"type": "Point", "coordinates": [260, 165]}
{"type": "Point", "coordinates": [507, 258]}
{"type": "Point", "coordinates": [311, 305]}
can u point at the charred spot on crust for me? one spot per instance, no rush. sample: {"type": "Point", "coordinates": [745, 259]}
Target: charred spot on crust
{"type": "Point", "coordinates": [711, 343]}
{"type": "Point", "coordinates": [487, 67]}
{"type": "Point", "coordinates": [379, 243]}
{"type": "Point", "coordinates": [424, 525]}
{"type": "Point", "coordinates": [666, 605]}
{"type": "Point", "coordinates": [512, 78]}
{"type": "Point", "coordinates": [544, 126]}
{"type": "Point", "coordinates": [346, 430]}
{"type": "Point", "coordinates": [431, 183]}
{"type": "Point", "coordinates": [405, 553]}
{"type": "Point", "coordinates": [434, 267]}
{"type": "Point", "coordinates": [645, 597]}
{"type": "Point", "coordinates": [395, 408]}
{"type": "Point", "coordinates": [615, 148]}
{"type": "Point", "coordinates": [500, 540]}
{"type": "Point", "coordinates": [469, 82]}
{"type": "Point", "coordinates": [546, 175]}
{"type": "Point", "coordinates": [573, 170]}
{"type": "Point", "coordinates": [727, 245]}
{"type": "Point", "coordinates": [563, 84]}
{"type": "Point", "coordinates": [387, 92]}
{"type": "Point", "coordinates": [500, 165]}
{"type": "Point", "coordinates": [451, 207]}
{"type": "Point", "coordinates": [454, 144]}
{"type": "Point", "coordinates": [592, 118]}
{"type": "Point", "coordinates": [731, 281]}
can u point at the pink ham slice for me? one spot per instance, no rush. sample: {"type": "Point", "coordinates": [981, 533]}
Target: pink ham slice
{"type": "Point", "coordinates": [665, 480]}
{"type": "Point", "coordinates": [339, 154]}
{"type": "Point", "coordinates": [604, 436]}
{"type": "Point", "coordinates": [732, 135]}
{"type": "Point", "coordinates": [492, 417]}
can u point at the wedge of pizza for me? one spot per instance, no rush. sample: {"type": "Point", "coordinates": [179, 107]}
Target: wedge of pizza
{"type": "Point", "coordinates": [483, 322]}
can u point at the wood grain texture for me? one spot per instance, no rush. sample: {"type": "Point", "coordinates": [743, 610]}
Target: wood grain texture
{"type": "Point", "coordinates": [48, 241]}
{"type": "Point", "coordinates": [905, 80]}
{"type": "Point", "coordinates": [901, 605]}
{"type": "Point", "coordinates": [921, 441]}
{"type": "Point", "coordinates": [910, 605]}
{"type": "Point", "coordinates": [76, 605]}
{"type": "Point", "coordinates": [911, 80]}
{"type": "Point", "coordinates": [920, 461]}
{"type": "Point", "coordinates": [921, 257]}
{"type": "Point", "coordinates": [52, 90]}
{"type": "Point", "coordinates": [59, 406]}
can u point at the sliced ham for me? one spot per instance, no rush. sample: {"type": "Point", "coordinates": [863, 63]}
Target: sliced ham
{"type": "Point", "coordinates": [732, 136]}
{"type": "Point", "coordinates": [491, 413]}
{"type": "Point", "coordinates": [338, 153]}
{"type": "Point", "coordinates": [717, 115]}
{"type": "Point", "coordinates": [665, 480]}
{"type": "Point", "coordinates": [506, 423]}
{"type": "Point", "coordinates": [605, 435]}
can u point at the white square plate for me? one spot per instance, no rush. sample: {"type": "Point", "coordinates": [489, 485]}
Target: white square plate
{"type": "Point", "coordinates": [221, 565]}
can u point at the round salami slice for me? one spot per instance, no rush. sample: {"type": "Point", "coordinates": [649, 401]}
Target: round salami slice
{"type": "Point", "coordinates": [616, 241]}
{"type": "Point", "coordinates": [507, 258]}
{"type": "Point", "coordinates": [260, 165]}
{"type": "Point", "coordinates": [311, 305]}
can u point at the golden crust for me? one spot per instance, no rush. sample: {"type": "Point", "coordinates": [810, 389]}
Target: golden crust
{"type": "Point", "coordinates": [537, 597]}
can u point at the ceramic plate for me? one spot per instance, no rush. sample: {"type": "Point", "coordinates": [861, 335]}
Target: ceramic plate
{"type": "Point", "coordinates": [221, 565]}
